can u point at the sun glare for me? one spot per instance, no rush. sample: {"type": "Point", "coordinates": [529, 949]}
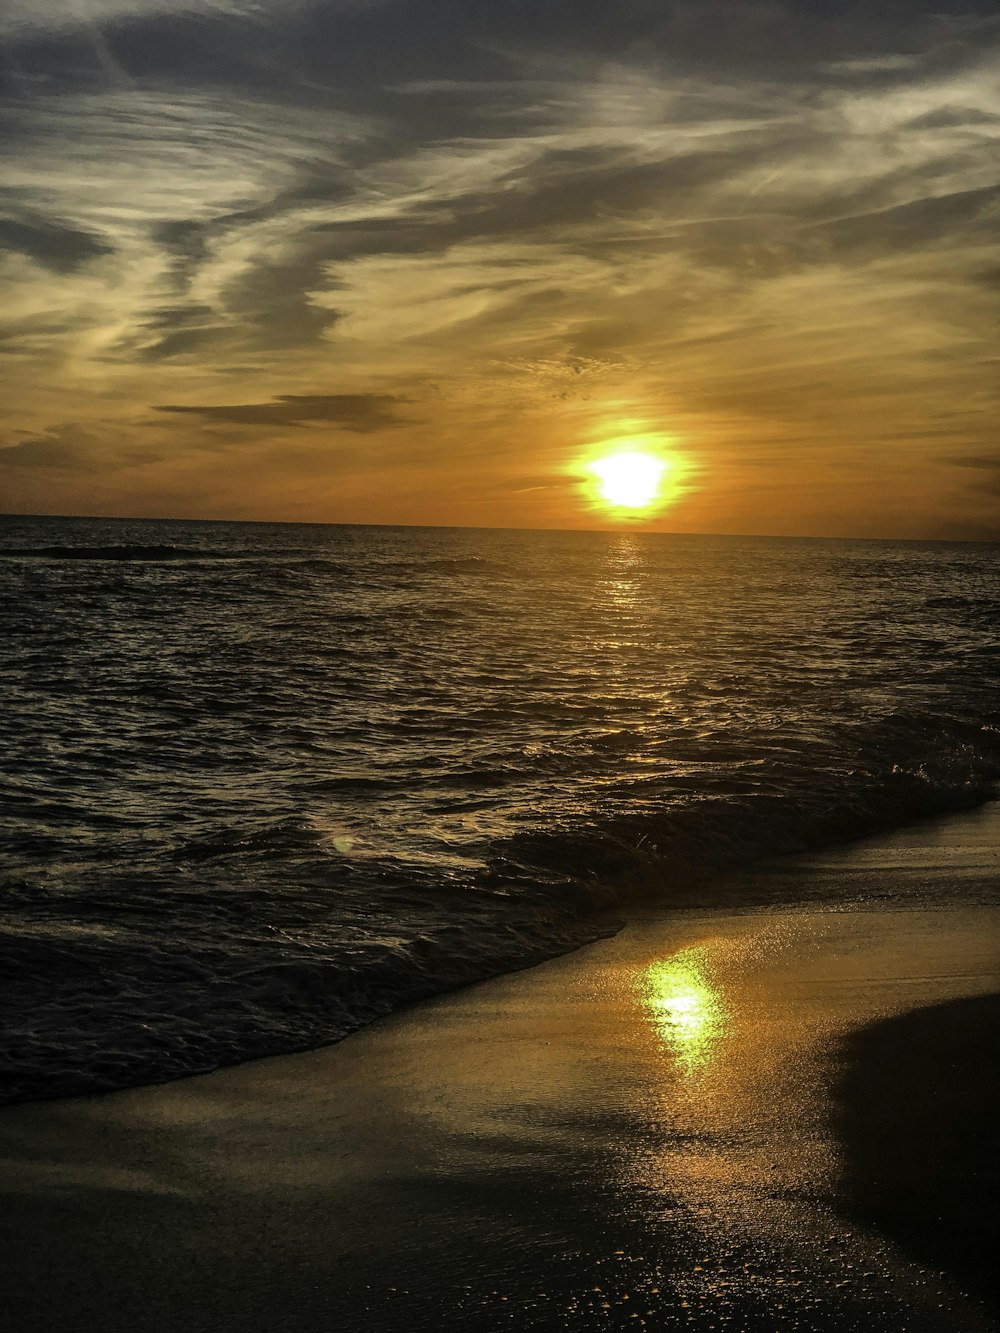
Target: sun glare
{"type": "Point", "coordinates": [630, 480]}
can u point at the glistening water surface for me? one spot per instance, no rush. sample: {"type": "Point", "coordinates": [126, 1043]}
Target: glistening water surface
{"type": "Point", "coordinates": [265, 782]}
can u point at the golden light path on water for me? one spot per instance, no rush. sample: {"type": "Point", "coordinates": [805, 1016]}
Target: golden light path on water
{"type": "Point", "coordinates": [684, 1006]}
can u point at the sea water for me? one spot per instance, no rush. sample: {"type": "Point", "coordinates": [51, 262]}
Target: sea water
{"type": "Point", "coordinates": [264, 782]}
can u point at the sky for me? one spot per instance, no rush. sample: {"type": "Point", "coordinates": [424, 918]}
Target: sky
{"type": "Point", "coordinates": [409, 261]}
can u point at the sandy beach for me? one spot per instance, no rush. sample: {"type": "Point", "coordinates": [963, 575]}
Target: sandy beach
{"type": "Point", "coordinates": [778, 1118]}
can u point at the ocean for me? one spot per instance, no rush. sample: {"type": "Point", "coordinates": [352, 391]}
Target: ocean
{"type": "Point", "coordinates": [262, 783]}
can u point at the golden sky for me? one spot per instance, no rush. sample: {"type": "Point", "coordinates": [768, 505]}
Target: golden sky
{"type": "Point", "coordinates": [396, 261]}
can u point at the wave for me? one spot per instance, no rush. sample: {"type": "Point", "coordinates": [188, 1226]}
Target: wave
{"type": "Point", "coordinates": [283, 566]}
{"type": "Point", "coordinates": [444, 564]}
{"type": "Point", "coordinates": [126, 552]}
{"type": "Point", "coordinates": [107, 999]}
{"type": "Point", "coordinates": [671, 853]}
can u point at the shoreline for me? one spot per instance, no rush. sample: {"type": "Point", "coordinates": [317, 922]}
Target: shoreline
{"type": "Point", "coordinates": [761, 883]}
{"type": "Point", "coordinates": [648, 1122]}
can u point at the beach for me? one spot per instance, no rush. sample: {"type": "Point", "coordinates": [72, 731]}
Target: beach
{"type": "Point", "coordinates": [499, 730]}
{"type": "Point", "coordinates": [710, 1120]}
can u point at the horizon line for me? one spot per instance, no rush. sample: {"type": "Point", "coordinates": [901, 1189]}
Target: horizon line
{"type": "Point", "coordinates": [468, 527]}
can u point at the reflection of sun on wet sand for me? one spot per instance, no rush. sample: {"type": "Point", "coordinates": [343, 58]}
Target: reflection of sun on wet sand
{"type": "Point", "coordinates": [685, 1007]}
{"type": "Point", "coordinates": [642, 1134]}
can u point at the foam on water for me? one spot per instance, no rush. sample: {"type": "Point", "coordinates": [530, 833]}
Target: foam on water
{"type": "Point", "coordinates": [265, 782]}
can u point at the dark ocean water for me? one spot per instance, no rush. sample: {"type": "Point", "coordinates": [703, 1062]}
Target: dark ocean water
{"type": "Point", "coordinates": [262, 783]}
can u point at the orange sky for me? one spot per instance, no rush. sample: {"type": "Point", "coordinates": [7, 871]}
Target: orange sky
{"type": "Point", "coordinates": [289, 261]}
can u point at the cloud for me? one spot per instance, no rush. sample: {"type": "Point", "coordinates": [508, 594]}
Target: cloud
{"type": "Point", "coordinates": [179, 331]}
{"type": "Point", "coordinates": [872, 64]}
{"type": "Point", "coordinates": [920, 222]}
{"type": "Point", "coordinates": [987, 482]}
{"type": "Point", "coordinates": [70, 447]}
{"type": "Point", "coordinates": [984, 462]}
{"type": "Point", "coordinates": [29, 16]}
{"type": "Point", "coordinates": [59, 248]}
{"type": "Point", "coordinates": [50, 451]}
{"type": "Point", "coordinates": [360, 412]}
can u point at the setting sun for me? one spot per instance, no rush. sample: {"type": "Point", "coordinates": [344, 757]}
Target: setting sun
{"type": "Point", "coordinates": [631, 479]}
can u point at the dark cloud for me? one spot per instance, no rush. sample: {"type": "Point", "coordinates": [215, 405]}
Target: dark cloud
{"type": "Point", "coordinates": [60, 248]}
{"type": "Point", "coordinates": [268, 304]}
{"type": "Point", "coordinates": [182, 342]}
{"type": "Point", "coordinates": [190, 241]}
{"type": "Point", "coordinates": [187, 242]}
{"type": "Point", "coordinates": [177, 331]}
{"type": "Point", "coordinates": [71, 448]}
{"type": "Point", "coordinates": [955, 117]}
{"type": "Point", "coordinates": [987, 466]}
{"type": "Point", "coordinates": [320, 52]}
{"type": "Point", "coordinates": [49, 451]}
{"type": "Point", "coordinates": [271, 305]}
{"type": "Point", "coordinates": [913, 224]}
{"type": "Point", "coordinates": [172, 317]}
{"type": "Point", "coordinates": [986, 462]}
{"type": "Point", "coordinates": [360, 412]}
{"type": "Point", "coordinates": [562, 189]}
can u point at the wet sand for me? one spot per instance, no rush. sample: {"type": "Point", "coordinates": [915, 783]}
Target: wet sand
{"type": "Point", "coordinates": [715, 1120]}
{"type": "Point", "coordinates": [924, 1087]}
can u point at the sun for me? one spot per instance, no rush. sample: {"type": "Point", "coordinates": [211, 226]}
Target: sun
{"type": "Point", "coordinates": [630, 479]}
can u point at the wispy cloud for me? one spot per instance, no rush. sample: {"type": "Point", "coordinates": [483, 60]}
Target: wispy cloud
{"type": "Point", "coordinates": [353, 411]}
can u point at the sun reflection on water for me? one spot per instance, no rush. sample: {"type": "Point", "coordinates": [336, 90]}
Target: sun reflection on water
{"type": "Point", "coordinates": [685, 1007]}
